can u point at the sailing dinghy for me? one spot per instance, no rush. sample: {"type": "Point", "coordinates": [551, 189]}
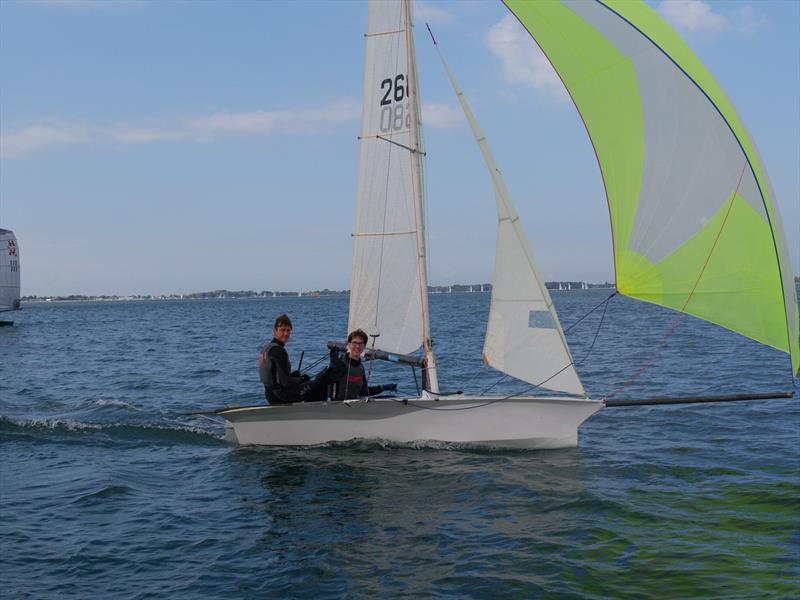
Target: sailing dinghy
{"type": "Point", "coordinates": [694, 221]}
{"type": "Point", "coordinates": [9, 273]}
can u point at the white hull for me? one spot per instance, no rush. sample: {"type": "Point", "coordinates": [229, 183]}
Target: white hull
{"type": "Point", "coordinates": [520, 422]}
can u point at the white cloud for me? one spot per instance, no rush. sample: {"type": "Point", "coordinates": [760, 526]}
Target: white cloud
{"type": "Point", "coordinates": [51, 133]}
{"type": "Point", "coordinates": [425, 13]}
{"type": "Point", "coordinates": [522, 60]}
{"type": "Point", "coordinates": [693, 15]}
{"type": "Point", "coordinates": [441, 116]}
{"type": "Point", "coordinates": [56, 133]}
{"type": "Point", "coordinates": [746, 21]}
{"type": "Point", "coordinates": [91, 4]}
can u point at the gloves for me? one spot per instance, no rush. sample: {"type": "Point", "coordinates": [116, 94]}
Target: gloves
{"type": "Point", "coordinates": [390, 387]}
{"type": "Point", "coordinates": [336, 358]}
{"type": "Point", "coordinates": [303, 377]}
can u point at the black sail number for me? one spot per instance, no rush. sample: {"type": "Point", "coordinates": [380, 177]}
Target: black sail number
{"type": "Point", "coordinates": [397, 117]}
{"type": "Point", "coordinates": [396, 85]}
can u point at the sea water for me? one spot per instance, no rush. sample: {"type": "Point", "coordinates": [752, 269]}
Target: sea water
{"type": "Point", "coordinates": [108, 490]}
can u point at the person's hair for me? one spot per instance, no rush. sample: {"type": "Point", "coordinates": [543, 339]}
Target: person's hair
{"type": "Point", "coordinates": [357, 333]}
{"type": "Point", "coordinates": [283, 320]}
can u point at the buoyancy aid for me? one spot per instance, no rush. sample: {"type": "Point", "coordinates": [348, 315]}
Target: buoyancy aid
{"type": "Point", "coordinates": [350, 380]}
{"type": "Point", "coordinates": [266, 365]}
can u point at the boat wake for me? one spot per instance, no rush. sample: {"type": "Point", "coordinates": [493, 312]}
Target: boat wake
{"type": "Point", "coordinates": [78, 432]}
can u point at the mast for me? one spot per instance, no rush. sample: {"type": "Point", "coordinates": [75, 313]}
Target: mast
{"type": "Point", "coordinates": [389, 290]}
{"type": "Point", "coordinates": [417, 176]}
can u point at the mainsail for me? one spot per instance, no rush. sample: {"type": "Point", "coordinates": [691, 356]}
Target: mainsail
{"type": "Point", "coordinates": [388, 293]}
{"type": "Point", "coordinates": [694, 219]}
{"type": "Point", "coordinates": [9, 271]}
{"type": "Point", "coordinates": [523, 337]}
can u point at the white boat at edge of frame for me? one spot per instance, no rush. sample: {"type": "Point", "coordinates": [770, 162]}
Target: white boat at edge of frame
{"type": "Point", "coordinates": [9, 274]}
{"type": "Point", "coordinates": [524, 338]}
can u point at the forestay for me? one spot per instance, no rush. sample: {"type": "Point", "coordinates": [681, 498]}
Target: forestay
{"type": "Point", "coordinates": [388, 294]}
{"type": "Point", "coordinates": [694, 219]}
{"type": "Point", "coordinates": [523, 337]}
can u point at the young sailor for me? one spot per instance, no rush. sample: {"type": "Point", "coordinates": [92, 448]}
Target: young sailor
{"type": "Point", "coordinates": [281, 384]}
{"type": "Point", "coordinates": [348, 375]}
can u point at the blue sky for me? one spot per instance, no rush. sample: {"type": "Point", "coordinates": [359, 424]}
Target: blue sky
{"type": "Point", "coordinates": [160, 147]}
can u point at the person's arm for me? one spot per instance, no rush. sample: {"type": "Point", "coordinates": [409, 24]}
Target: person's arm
{"type": "Point", "coordinates": [379, 389]}
{"type": "Point", "coordinates": [280, 361]}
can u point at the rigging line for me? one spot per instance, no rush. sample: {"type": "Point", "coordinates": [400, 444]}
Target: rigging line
{"type": "Point", "coordinates": [314, 364]}
{"type": "Point", "coordinates": [476, 373]}
{"type": "Point", "coordinates": [591, 311]}
{"type": "Point", "coordinates": [682, 311]}
{"type": "Point", "coordinates": [490, 402]}
{"type": "Point", "coordinates": [596, 333]}
{"type": "Point", "coordinates": [427, 220]}
{"type": "Point", "coordinates": [383, 240]}
{"type": "Point", "coordinates": [591, 347]}
{"type": "Point", "coordinates": [505, 376]}
{"type": "Point", "coordinates": [372, 357]}
{"type": "Point", "coordinates": [426, 215]}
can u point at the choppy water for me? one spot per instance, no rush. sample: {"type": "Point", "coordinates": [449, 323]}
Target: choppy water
{"type": "Point", "coordinates": [107, 490]}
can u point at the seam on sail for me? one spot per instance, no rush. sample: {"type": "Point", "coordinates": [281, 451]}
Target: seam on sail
{"type": "Point", "coordinates": [682, 312]}
{"type": "Point", "coordinates": [716, 240]}
{"type": "Point", "coordinates": [741, 147]}
{"type": "Point", "coordinates": [588, 133]}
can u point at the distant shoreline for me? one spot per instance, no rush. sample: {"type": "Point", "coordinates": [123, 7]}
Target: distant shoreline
{"type": "Point", "coordinates": [248, 294]}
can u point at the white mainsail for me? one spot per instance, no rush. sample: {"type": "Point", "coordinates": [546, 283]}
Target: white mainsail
{"type": "Point", "coordinates": [9, 271]}
{"type": "Point", "coordinates": [523, 337]}
{"type": "Point", "coordinates": [388, 293]}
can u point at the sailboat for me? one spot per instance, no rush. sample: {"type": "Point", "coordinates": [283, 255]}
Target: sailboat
{"type": "Point", "coordinates": [9, 273]}
{"type": "Point", "coordinates": [694, 224]}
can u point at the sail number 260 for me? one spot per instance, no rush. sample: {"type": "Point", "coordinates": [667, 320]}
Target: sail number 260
{"type": "Point", "coordinates": [395, 115]}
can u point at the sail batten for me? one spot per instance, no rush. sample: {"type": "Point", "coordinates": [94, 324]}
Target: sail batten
{"type": "Point", "coordinates": [695, 224]}
{"type": "Point", "coordinates": [388, 295]}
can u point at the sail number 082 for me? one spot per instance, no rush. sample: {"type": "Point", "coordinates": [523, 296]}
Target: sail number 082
{"type": "Point", "coordinates": [395, 115]}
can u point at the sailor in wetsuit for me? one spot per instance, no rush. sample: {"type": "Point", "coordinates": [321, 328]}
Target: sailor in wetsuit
{"type": "Point", "coordinates": [348, 375]}
{"type": "Point", "coordinates": [281, 384]}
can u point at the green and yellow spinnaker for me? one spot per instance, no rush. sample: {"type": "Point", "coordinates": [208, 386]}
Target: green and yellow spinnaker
{"type": "Point", "coordinates": [694, 219]}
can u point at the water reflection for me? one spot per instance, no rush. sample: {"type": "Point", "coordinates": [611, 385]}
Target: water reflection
{"type": "Point", "coordinates": [410, 518]}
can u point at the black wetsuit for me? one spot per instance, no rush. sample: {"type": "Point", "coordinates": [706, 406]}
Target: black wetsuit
{"type": "Point", "coordinates": [281, 385]}
{"type": "Point", "coordinates": [350, 380]}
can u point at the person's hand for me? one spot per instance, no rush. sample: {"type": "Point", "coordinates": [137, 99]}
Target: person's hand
{"type": "Point", "coordinates": [390, 387]}
{"type": "Point", "coordinates": [295, 373]}
{"type": "Point", "coordinates": [305, 377]}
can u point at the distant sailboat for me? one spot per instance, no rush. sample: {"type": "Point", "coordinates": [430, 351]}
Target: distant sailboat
{"type": "Point", "coordinates": [657, 120]}
{"type": "Point", "coordinates": [9, 273]}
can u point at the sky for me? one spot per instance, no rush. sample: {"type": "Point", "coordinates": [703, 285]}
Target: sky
{"type": "Point", "coordinates": [169, 147]}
